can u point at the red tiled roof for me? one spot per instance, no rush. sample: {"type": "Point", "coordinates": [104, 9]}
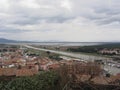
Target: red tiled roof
{"type": "Point", "coordinates": [53, 66]}
{"type": "Point", "coordinates": [115, 77]}
{"type": "Point", "coordinates": [101, 80]}
{"type": "Point", "coordinates": [7, 71]}
{"type": "Point", "coordinates": [82, 77]}
{"type": "Point", "coordinates": [34, 71]}
{"type": "Point", "coordinates": [1, 71]}
{"type": "Point", "coordinates": [24, 72]}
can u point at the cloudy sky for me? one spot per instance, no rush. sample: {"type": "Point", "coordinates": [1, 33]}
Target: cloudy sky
{"type": "Point", "coordinates": [60, 20]}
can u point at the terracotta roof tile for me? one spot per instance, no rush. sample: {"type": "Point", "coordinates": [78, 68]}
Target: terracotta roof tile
{"type": "Point", "coordinates": [82, 77]}
{"type": "Point", "coordinates": [7, 71]}
{"type": "Point", "coordinates": [53, 66]}
{"type": "Point", "coordinates": [101, 80]}
{"type": "Point", "coordinates": [24, 72]}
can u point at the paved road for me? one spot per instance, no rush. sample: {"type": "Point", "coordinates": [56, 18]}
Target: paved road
{"type": "Point", "coordinates": [80, 56]}
{"type": "Point", "coordinates": [113, 70]}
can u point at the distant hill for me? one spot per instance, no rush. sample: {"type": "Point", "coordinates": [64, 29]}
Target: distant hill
{"type": "Point", "coordinates": [3, 40]}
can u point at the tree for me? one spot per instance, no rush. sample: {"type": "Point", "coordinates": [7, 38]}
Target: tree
{"type": "Point", "coordinates": [44, 81]}
{"type": "Point", "coordinates": [23, 83]}
{"type": "Point", "coordinates": [47, 81]}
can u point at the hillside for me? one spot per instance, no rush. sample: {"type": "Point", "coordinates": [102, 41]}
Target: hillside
{"type": "Point", "coordinates": [2, 40]}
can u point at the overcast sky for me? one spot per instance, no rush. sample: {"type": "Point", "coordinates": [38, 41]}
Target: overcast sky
{"type": "Point", "coordinates": [60, 20]}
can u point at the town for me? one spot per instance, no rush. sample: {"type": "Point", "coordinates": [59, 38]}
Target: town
{"type": "Point", "coordinates": [20, 61]}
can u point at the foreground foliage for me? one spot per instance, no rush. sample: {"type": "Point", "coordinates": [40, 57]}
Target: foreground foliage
{"type": "Point", "coordinates": [44, 81]}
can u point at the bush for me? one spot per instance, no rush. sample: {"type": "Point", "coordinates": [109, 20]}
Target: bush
{"type": "Point", "coordinates": [23, 83]}
{"type": "Point", "coordinates": [44, 81]}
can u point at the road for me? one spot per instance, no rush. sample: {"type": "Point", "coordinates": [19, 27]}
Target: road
{"type": "Point", "coordinates": [75, 55]}
{"type": "Point", "coordinates": [112, 70]}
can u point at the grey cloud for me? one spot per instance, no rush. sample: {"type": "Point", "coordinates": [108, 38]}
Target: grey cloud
{"type": "Point", "coordinates": [107, 14]}
{"type": "Point", "coordinates": [18, 16]}
{"type": "Point", "coordinates": [107, 10]}
{"type": "Point", "coordinates": [37, 20]}
{"type": "Point", "coordinates": [97, 11]}
{"type": "Point", "coordinates": [8, 30]}
{"type": "Point", "coordinates": [108, 21]}
{"type": "Point", "coordinates": [24, 15]}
